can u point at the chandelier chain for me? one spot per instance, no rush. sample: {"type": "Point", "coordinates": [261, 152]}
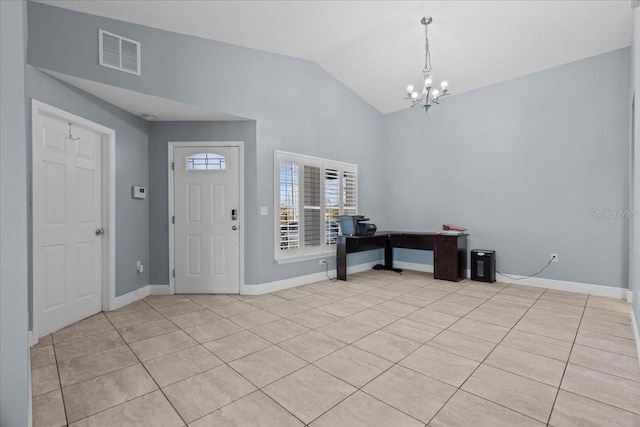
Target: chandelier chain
{"type": "Point", "coordinates": [427, 52]}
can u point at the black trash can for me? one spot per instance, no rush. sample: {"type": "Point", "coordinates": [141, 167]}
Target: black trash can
{"type": "Point", "coordinates": [483, 265]}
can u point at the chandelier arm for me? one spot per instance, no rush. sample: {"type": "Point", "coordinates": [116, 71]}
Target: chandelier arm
{"type": "Point", "coordinates": [428, 95]}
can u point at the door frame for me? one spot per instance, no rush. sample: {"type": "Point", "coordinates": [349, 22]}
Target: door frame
{"type": "Point", "coordinates": [177, 144]}
{"type": "Point", "coordinates": [108, 204]}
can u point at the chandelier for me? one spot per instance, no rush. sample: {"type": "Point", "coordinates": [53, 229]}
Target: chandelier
{"type": "Point", "coordinates": [428, 95]}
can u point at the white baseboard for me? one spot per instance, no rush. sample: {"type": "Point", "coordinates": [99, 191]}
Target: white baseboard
{"type": "Point", "coordinates": [264, 288]}
{"type": "Point", "coordinates": [128, 298]}
{"type": "Point", "coordinates": [563, 285]}
{"type": "Point", "coordinates": [33, 340]}
{"type": "Point", "coordinates": [636, 334]}
{"type": "Point", "coordinates": [138, 294]}
{"type": "Point", "coordinates": [159, 290]}
{"type": "Point", "coordinates": [278, 285]}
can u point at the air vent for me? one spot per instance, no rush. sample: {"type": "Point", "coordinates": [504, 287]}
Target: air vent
{"type": "Point", "coordinates": [118, 52]}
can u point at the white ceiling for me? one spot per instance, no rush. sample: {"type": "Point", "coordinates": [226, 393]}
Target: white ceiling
{"type": "Point", "coordinates": [376, 48]}
{"type": "Point", "coordinates": [142, 104]}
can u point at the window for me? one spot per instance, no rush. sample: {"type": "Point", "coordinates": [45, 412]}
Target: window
{"type": "Point", "coordinates": [206, 161]}
{"type": "Point", "coordinates": [312, 194]}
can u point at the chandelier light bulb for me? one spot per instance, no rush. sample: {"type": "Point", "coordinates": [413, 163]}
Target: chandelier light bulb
{"type": "Point", "coordinates": [428, 95]}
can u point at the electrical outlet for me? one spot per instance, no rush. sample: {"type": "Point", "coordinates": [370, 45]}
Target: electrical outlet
{"type": "Point", "coordinates": [554, 257]}
{"type": "Point", "coordinates": [139, 267]}
{"type": "Point", "coordinates": [322, 261]}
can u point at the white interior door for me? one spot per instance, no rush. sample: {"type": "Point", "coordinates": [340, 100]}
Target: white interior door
{"type": "Point", "coordinates": [67, 212]}
{"type": "Point", "coordinates": [206, 208]}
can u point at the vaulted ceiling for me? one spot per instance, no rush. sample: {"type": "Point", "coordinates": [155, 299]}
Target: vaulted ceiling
{"type": "Point", "coordinates": [376, 48]}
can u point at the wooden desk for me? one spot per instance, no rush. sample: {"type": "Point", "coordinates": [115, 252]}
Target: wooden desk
{"type": "Point", "coordinates": [449, 252]}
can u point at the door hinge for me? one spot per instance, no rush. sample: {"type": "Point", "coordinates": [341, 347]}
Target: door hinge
{"type": "Point", "coordinates": [173, 219]}
{"type": "Point", "coordinates": [173, 166]}
{"type": "Point", "coordinates": [174, 273]}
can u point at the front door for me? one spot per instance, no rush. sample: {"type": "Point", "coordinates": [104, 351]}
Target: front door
{"type": "Point", "coordinates": [67, 223]}
{"type": "Point", "coordinates": [206, 208]}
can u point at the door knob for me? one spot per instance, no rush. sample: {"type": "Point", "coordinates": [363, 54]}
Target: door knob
{"type": "Point", "coordinates": [99, 231]}
{"type": "Point", "coordinates": [234, 228]}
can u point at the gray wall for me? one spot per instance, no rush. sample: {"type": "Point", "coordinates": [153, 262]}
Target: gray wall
{"type": "Point", "coordinates": [634, 255]}
{"type": "Point", "coordinates": [297, 106]}
{"type": "Point", "coordinates": [525, 160]}
{"type": "Point", "coordinates": [14, 354]}
{"type": "Point", "coordinates": [160, 134]}
{"type": "Point", "coordinates": [132, 168]}
{"type": "Point", "coordinates": [521, 164]}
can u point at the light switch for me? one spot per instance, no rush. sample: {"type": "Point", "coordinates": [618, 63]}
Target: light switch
{"type": "Point", "coordinates": [264, 210]}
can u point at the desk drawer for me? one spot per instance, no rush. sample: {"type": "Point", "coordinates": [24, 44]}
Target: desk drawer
{"type": "Point", "coordinates": [445, 270]}
{"type": "Point", "coordinates": [412, 241]}
{"type": "Point", "coordinates": [359, 244]}
{"type": "Point", "coordinates": [443, 238]}
{"type": "Point", "coordinates": [445, 251]}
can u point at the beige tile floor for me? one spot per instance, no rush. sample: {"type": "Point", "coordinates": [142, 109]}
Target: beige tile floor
{"type": "Point", "coordinates": [380, 350]}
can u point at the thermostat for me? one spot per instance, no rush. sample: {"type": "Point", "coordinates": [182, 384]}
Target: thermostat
{"type": "Point", "coordinates": [139, 192]}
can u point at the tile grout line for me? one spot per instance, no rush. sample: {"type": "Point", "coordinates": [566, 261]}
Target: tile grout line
{"type": "Point", "coordinates": [55, 356]}
{"type": "Point", "coordinates": [568, 359]}
{"type": "Point", "coordinates": [148, 373]}
{"type": "Point", "coordinates": [617, 408]}
{"type": "Point", "coordinates": [258, 388]}
{"type": "Point", "coordinates": [380, 329]}
{"type": "Point", "coordinates": [487, 356]}
{"type": "Point", "coordinates": [604, 372]}
{"type": "Point", "coordinates": [595, 370]}
{"type": "Point", "coordinates": [141, 363]}
{"type": "Point", "coordinates": [376, 329]}
{"type": "Point", "coordinates": [83, 336]}
{"type": "Point", "coordinates": [64, 405]}
{"type": "Point", "coordinates": [115, 406]}
{"type": "Point", "coordinates": [420, 346]}
{"type": "Point", "coordinates": [89, 379]}
{"type": "Point", "coordinates": [605, 349]}
{"type": "Point", "coordinates": [312, 363]}
{"type": "Point", "coordinates": [393, 363]}
{"type": "Point", "coordinates": [199, 344]}
{"type": "Point", "coordinates": [347, 344]}
{"type": "Point", "coordinates": [462, 317]}
{"type": "Point", "coordinates": [230, 367]}
{"type": "Point", "coordinates": [167, 318]}
{"type": "Point", "coordinates": [223, 363]}
{"type": "Point", "coordinates": [347, 318]}
{"type": "Point", "coordinates": [273, 344]}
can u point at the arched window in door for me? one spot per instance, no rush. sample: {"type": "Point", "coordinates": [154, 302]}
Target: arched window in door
{"type": "Point", "coordinates": [206, 162]}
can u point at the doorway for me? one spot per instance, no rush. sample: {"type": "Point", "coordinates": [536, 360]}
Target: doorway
{"type": "Point", "coordinates": [206, 211]}
{"type": "Point", "coordinates": [72, 218]}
